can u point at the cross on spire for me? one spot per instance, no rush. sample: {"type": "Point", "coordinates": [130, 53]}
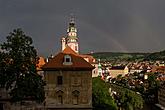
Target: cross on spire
{"type": "Point", "coordinates": [72, 19]}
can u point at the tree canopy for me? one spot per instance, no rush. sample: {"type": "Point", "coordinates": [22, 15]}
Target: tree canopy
{"type": "Point", "coordinates": [100, 95]}
{"type": "Point", "coordinates": [18, 68]}
{"type": "Point", "coordinates": [127, 99]}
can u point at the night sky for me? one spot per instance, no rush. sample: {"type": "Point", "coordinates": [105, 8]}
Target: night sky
{"type": "Point", "coordinates": [103, 25]}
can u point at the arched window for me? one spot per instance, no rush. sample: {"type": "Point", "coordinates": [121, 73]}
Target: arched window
{"type": "Point", "coordinates": [59, 97]}
{"type": "Point", "coordinates": [75, 97]}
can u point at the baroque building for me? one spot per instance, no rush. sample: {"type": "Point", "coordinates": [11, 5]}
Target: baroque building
{"type": "Point", "coordinates": [69, 82]}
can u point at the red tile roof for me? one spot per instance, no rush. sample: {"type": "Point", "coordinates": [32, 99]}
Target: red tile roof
{"type": "Point", "coordinates": [68, 50]}
{"type": "Point", "coordinates": [77, 62]}
{"type": "Point", "coordinates": [117, 68]}
{"type": "Point", "coordinates": [161, 78]}
{"type": "Point", "coordinates": [90, 58]}
{"type": "Point", "coordinates": [40, 63]}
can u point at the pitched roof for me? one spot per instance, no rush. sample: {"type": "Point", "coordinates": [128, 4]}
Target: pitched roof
{"type": "Point", "coordinates": [68, 50]}
{"type": "Point", "coordinates": [56, 63]}
{"type": "Point", "coordinates": [89, 58]}
{"type": "Point", "coordinates": [40, 63]}
{"type": "Point", "coordinates": [117, 68]}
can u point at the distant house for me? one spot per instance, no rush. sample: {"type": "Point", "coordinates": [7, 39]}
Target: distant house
{"type": "Point", "coordinates": [135, 69]}
{"type": "Point", "coordinates": [139, 69]}
{"type": "Point", "coordinates": [117, 70]}
{"type": "Point", "coordinates": [159, 69]}
{"type": "Point", "coordinates": [92, 61]}
{"type": "Point", "coordinates": [69, 82]}
{"type": "Point", "coordinates": [41, 62]}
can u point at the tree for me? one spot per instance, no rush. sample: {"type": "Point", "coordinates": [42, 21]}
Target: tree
{"type": "Point", "coordinates": [100, 95]}
{"type": "Point", "coordinates": [131, 100]}
{"type": "Point", "coordinates": [18, 68]}
{"type": "Point", "coordinates": [127, 99]}
{"type": "Point", "coordinates": [151, 94]}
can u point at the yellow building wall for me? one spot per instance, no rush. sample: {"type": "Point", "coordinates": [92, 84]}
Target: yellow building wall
{"type": "Point", "coordinates": [115, 73]}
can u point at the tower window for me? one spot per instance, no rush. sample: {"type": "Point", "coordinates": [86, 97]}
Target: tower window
{"type": "Point", "coordinates": [59, 80]}
{"type": "Point", "coordinates": [76, 48]}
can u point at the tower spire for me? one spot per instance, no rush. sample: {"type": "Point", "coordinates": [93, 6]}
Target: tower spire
{"type": "Point", "coordinates": [72, 39]}
{"type": "Point", "coordinates": [72, 18]}
{"type": "Point", "coordinates": [72, 21]}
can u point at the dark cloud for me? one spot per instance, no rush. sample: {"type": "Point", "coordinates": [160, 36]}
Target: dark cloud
{"type": "Point", "coordinates": [107, 25]}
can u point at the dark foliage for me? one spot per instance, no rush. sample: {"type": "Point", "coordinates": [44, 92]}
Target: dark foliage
{"type": "Point", "coordinates": [18, 68]}
{"type": "Point", "coordinates": [100, 96]}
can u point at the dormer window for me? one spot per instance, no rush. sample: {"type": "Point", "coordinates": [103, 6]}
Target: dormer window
{"type": "Point", "coordinates": [67, 60]}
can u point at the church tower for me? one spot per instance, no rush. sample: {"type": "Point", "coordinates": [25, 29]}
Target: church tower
{"type": "Point", "coordinates": [72, 39]}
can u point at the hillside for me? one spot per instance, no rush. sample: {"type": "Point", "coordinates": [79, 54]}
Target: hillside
{"type": "Point", "coordinates": [119, 56]}
{"type": "Point", "coordinates": [111, 56]}
{"type": "Point", "coordinates": [156, 56]}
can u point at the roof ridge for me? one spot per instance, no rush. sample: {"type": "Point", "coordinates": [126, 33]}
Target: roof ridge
{"type": "Point", "coordinates": [69, 50]}
{"type": "Point", "coordinates": [56, 62]}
